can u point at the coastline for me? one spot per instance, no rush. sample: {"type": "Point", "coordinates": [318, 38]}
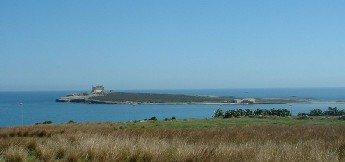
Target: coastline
{"type": "Point", "coordinates": [90, 101]}
{"type": "Point", "coordinates": [268, 101]}
{"type": "Point", "coordinates": [99, 95]}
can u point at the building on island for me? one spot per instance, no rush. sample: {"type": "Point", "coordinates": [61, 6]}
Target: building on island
{"type": "Point", "coordinates": [245, 101]}
{"type": "Point", "coordinates": [98, 89]}
{"type": "Point", "coordinates": [248, 100]}
{"type": "Point", "coordinates": [83, 97]}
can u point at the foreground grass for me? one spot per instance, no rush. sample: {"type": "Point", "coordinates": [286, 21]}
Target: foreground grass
{"type": "Point", "coordinates": [240, 139]}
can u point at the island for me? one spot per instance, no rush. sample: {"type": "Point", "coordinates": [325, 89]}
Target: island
{"type": "Point", "coordinates": [98, 95]}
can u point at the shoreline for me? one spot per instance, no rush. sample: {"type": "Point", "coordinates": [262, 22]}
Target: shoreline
{"type": "Point", "coordinates": [99, 96]}
{"type": "Point", "coordinates": [88, 101]}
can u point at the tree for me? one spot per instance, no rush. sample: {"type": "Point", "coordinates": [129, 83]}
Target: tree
{"type": "Point", "coordinates": [283, 112]}
{"type": "Point", "coordinates": [241, 112]}
{"type": "Point", "coordinates": [219, 113]}
{"type": "Point", "coordinates": [249, 112]}
{"type": "Point", "coordinates": [302, 116]}
{"type": "Point", "coordinates": [258, 112]}
{"type": "Point", "coordinates": [153, 118]}
{"type": "Point", "coordinates": [332, 111]}
{"type": "Point", "coordinates": [315, 112]}
{"type": "Point", "coordinates": [229, 113]}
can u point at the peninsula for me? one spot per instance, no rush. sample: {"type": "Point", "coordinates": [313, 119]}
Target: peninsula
{"type": "Point", "coordinates": [98, 95]}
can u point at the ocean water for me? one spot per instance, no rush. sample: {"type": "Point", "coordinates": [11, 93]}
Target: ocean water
{"type": "Point", "coordinates": [41, 106]}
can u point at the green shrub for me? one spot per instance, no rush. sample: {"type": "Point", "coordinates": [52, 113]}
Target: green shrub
{"type": "Point", "coordinates": [302, 116]}
{"type": "Point", "coordinates": [71, 122]}
{"type": "Point", "coordinates": [219, 113]}
{"type": "Point", "coordinates": [251, 113]}
{"type": "Point", "coordinates": [48, 122]}
{"type": "Point", "coordinates": [342, 117]}
{"type": "Point", "coordinates": [153, 118]}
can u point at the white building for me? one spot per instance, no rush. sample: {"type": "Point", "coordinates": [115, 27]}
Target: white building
{"type": "Point", "coordinates": [97, 89]}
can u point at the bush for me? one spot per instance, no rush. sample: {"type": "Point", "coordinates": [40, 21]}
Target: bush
{"type": "Point", "coordinates": [250, 113]}
{"type": "Point", "coordinates": [315, 112]}
{"type": "Point", "coordinates": [12, 134]}
{"type": "Point", "coordinates": [71, 122]}
{"type": "Point", "coordinates": [218, 113]}
{"type": "Point", "coordinates": [47, 122]}
{"type": "Point", "coordinates": [342, 117]}
{"type": "Point", "coordinates": [153, 118]}
{"type": "Point", "coordinates": [42, 134]}
{"type": "Point", "coordinates": [302, 116]}
{"type": "Point", "coordinates": [334, 112]}
{"type": "Point", "coordinates": [169, 119]}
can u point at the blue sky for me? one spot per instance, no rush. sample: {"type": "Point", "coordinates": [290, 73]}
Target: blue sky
{"type": "Point", "coordinates": [176, 44]}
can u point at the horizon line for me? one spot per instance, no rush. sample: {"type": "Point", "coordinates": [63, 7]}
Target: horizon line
{"type": "Point", "coordinates": [158, 89]}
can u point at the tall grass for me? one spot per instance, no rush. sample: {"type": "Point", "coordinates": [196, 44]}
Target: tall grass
{"type": "Point", "coordinates": [15, 154]}
{"type": "Point", "coordinates": [109, 142]}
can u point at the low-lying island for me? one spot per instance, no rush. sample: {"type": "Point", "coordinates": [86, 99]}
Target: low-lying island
{"type": "Point", "coordinates": [99, 96]}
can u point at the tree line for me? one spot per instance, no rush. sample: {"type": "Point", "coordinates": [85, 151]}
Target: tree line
{"type": "Point", "coordinates": [331, 111]}
{"type": "Point", "coordinates": [219, 113]}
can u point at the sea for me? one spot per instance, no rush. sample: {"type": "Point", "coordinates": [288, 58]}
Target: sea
{"type": "Point", "coordinates": [30, 107]}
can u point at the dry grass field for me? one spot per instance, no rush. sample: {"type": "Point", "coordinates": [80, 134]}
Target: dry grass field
{"type": "Point", "coordinates": [278, 139]}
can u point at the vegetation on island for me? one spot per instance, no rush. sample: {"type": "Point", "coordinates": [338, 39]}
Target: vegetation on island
{"type": "Point", "coordinates": [281, 100]}
{"type": "Point", "coordinates": [122, 97]}
{"type": "Point", "coordinates": [147, 98]}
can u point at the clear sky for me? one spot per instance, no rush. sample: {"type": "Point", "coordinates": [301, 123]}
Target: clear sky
{"type": "Point", "coordinates": [171, 44]}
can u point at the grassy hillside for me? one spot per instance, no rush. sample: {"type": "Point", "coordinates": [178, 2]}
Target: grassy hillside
{"type": "Point", "coordinates": [236, 139]}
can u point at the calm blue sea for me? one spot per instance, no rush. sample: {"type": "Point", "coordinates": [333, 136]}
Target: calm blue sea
{"type": "Point", "coordinates": [41, 106]}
